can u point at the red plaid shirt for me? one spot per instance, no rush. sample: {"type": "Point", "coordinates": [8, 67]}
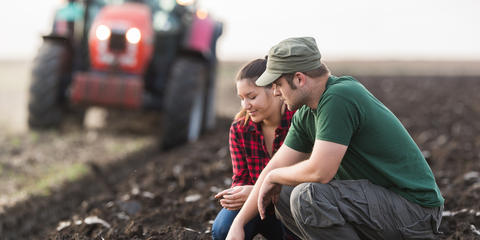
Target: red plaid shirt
{"type": "Point", "coordinates": [248, 150]}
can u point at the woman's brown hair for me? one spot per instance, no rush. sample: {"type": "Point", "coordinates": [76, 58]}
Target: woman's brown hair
{"type": "Point", "coordinates": [251, 72]}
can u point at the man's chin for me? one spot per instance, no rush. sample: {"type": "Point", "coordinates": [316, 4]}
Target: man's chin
{"type": "Point", "coordinates": [292, 107]}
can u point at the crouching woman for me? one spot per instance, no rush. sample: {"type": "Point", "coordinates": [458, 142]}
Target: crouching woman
{"type": "Point", "coordinates": [256, 134]}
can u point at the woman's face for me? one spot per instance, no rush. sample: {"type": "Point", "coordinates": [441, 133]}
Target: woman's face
{"type": "Point", "coordinates": [257, 101]}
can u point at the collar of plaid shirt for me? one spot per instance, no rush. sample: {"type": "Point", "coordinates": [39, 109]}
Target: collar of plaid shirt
{"type": "Point", "coordinates": [248, 151]}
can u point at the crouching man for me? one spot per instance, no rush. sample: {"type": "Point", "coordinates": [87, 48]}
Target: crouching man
{"type": "Point", "coordinates": [348, 169]}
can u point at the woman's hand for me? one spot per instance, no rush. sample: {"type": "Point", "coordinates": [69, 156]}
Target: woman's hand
{"type": "Point", "coordinates": [234, 198]}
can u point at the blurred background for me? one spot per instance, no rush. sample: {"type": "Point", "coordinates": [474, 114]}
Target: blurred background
{"type": "Point", "coordinates": [354, 37]}
{"type": "Point", "coordinates": [373, 30]}
{"type": "Point", "coordinates": [345, 30]}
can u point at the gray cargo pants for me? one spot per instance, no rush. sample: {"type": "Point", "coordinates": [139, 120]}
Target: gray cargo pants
{"type": "Point", "coordinates": [354, 209]}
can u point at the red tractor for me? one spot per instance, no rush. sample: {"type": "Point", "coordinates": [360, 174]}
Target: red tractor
{"type": "Point", "coordinates": [151, 55]}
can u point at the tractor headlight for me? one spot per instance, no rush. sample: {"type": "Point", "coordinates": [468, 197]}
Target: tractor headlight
{"type": "Point", "coordinates": [202, 13]}
{"type": "Point", "coordinates": [133, 35]}
{"type": "Point", "coordinates": [185, 2]}
{"type": "Point", "coordinates": [103, 32]}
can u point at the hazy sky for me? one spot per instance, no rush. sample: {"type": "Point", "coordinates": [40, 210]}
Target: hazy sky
{"type": "Point", "coordinates": [372, 29]}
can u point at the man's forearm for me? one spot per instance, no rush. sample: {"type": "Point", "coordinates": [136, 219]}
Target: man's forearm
{"type": "Point", "coordinates": [296, 174]}
{"type": "Point", "coordinates": [320, 167]}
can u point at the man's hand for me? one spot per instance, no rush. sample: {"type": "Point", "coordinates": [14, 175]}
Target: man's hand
{"type": "Point", "coordinates": [234, 198]}
{"type": "Point", "coordinates": [269, 193]}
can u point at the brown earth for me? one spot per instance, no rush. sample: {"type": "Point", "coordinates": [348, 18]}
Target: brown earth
{"type": "Point", "coordinates": [169, 195]}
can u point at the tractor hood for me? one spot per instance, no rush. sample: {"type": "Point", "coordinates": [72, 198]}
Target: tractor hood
{"type": "Point", "coordinates": [121, 38]}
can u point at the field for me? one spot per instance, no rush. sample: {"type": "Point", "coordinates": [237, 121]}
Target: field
{"type": "Point", "coordinates": [109, 181]}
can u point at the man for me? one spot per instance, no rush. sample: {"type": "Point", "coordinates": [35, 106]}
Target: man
{"type": "Point", "coordinates": [348, 167]}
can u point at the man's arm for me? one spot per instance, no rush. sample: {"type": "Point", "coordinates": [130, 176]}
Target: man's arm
{"type": "Point", "coordinates": [320, 167]}
{"type": "Point", "coordinates": [285, 156]}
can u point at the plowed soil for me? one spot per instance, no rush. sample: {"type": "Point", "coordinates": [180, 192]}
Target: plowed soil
{"type": "Point", "coordinates": [169, 195]}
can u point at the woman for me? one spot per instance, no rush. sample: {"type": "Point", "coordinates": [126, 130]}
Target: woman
{"type": "Point", "coordinates": [256, 134]}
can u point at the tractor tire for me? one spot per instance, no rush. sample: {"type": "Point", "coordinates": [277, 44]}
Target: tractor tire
{"type": "Point", "coordinates": [184, 102]}
{"type": "Point", "coordinates": [210, 113]}
{"type": "Point", "coordinates": [44, 107]}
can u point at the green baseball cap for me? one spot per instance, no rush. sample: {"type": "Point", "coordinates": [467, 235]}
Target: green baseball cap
{"type": "Point", "coordinates": [288, 56]}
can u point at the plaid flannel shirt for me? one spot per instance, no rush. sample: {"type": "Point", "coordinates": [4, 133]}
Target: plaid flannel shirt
{"type": "Point", "coordinates": [248, 149]}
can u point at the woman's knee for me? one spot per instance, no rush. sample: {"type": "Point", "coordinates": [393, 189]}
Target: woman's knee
{"type": "Point", "coordinates": [222, 223]}
{"type": "Point", "coordinates": [220, 231]}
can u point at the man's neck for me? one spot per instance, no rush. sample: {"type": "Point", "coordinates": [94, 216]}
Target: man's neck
{"type": "Point", "coordinates": [316, 91]}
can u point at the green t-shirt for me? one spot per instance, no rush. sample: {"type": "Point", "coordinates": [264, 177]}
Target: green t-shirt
{"type": "Point", "coordinates": [379, 147]}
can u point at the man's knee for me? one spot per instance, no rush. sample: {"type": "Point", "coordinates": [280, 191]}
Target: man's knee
{"type": "Point", "coordinates": [298, 196]}
{"type": "Point", "coordinates": [311, 203]}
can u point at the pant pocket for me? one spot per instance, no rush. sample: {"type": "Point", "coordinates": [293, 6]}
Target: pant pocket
{"type": "Point", "coordinates": [356, 205]}
{"type": "Point", "coordinates": [419, 230]}
{"type": "Point", "coordinates": [321, 215]}
{"type": "Point", "coordinates": [315, 209]}
{"type": "Point", "coordinates": [351, 190]}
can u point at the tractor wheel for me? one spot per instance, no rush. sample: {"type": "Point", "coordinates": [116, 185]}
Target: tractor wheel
{"type": "Point", "coordinates": [210, 113]}
{"type": "Point", "coordinates": [44, 107]}
{"type": "Point", "coordinates": [184, 102]}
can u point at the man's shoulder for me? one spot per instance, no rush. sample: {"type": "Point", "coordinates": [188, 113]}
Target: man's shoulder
{"type": "Point", "coordinates": [343, 82]}
{"type": "Point", "coordinates": [345, 86]}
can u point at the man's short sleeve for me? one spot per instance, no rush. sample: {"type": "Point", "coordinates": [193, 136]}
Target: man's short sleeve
{"type": "Point", "coordinates": [337, 119]}
{"type": "Point", "coordinates": [297, 137]}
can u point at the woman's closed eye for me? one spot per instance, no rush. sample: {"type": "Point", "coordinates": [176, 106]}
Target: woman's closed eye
{"type": "Point", "coordinates": [248, 98]}
{"type": "Point", "coordinates": [251, 95]}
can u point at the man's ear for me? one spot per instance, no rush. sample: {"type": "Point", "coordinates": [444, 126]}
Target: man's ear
{"type": "Point", "coordinates": [300, 78]}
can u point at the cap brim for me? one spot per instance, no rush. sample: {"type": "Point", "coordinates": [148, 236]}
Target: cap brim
{"type": "Point", "coordinates": [267, 78]}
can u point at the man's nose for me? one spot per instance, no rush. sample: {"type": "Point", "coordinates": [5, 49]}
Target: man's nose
{"type": "Point", "coordinates": [276, 92]}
